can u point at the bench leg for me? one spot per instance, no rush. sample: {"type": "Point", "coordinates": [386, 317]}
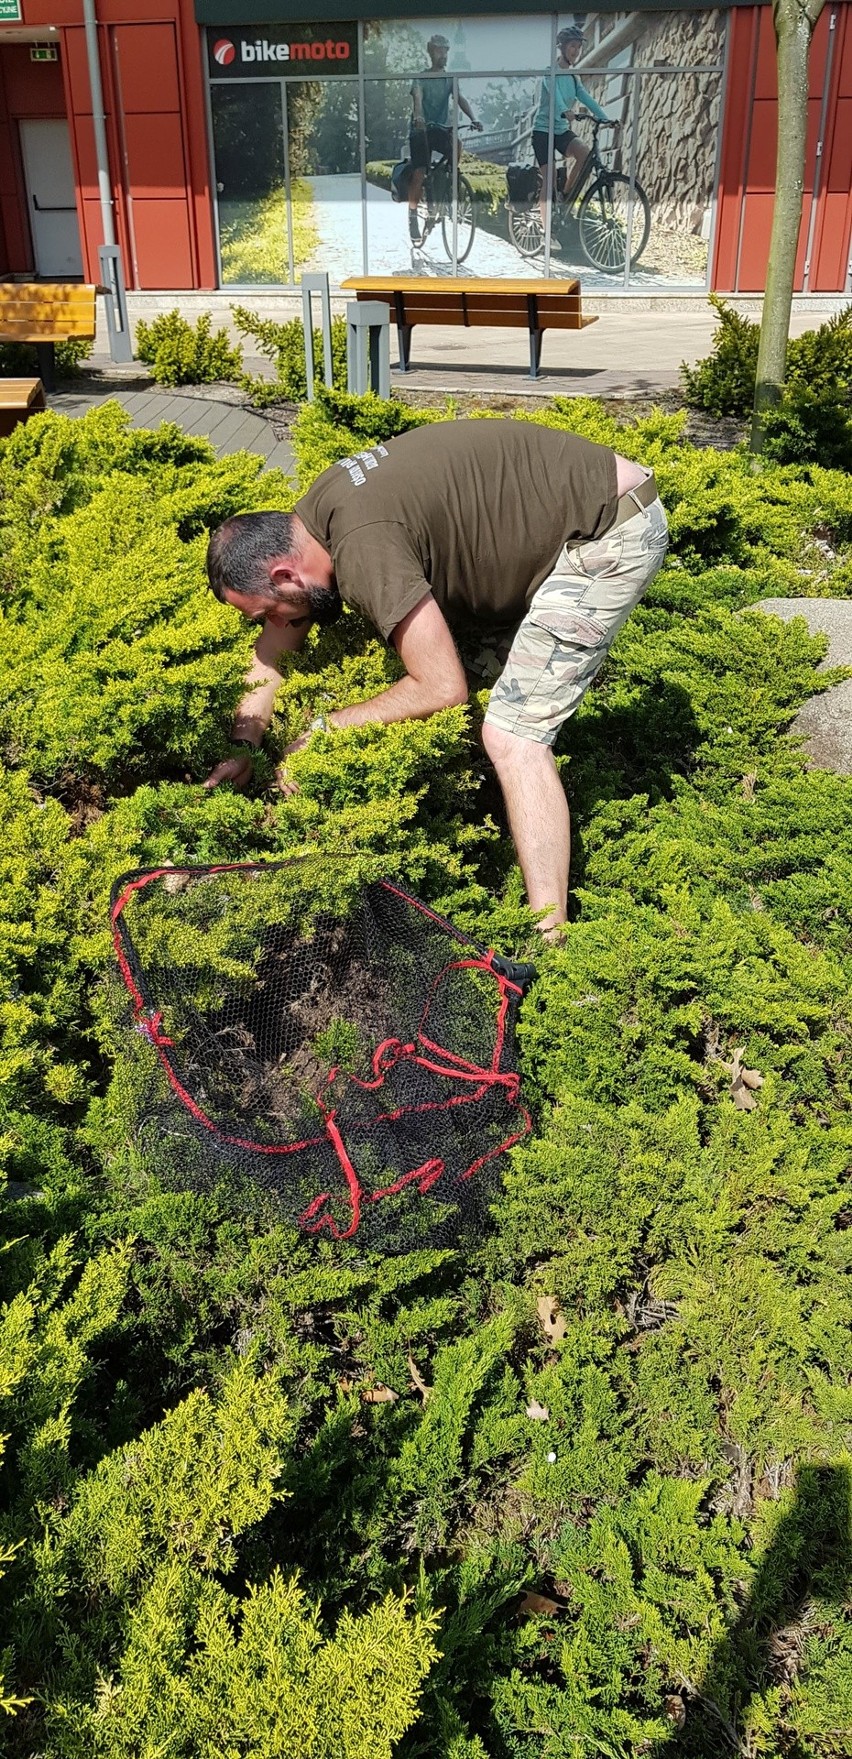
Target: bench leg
{"type": "Point", "coordinates": [46, 357]}
{"type": "Point", "coordinates": [404, 335]}
{"type": "Point", "coordinates": [535, 352]}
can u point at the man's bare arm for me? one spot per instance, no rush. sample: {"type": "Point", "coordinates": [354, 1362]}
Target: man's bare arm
{"type": "Point", "coordinates": [435, 678]}
{"type": "Point", "coordinates": [254, 711]}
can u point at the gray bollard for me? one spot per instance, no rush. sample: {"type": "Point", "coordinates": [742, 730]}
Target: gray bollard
{"type": "Point", "coordinates": [115, 303]}
{"type": "Point", "coordinates": [368, 347]}
{"type": "Point", "coordinates": [312, 284]}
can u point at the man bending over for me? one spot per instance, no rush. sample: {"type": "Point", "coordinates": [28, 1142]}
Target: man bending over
{"type": "Point", "coordinates": [503, 522]}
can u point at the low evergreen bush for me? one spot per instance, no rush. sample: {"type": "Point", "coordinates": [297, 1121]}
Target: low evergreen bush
{"type": "Point", "coordinates": [812, 424]}
{"type": "Point", "coordinates": [589, 1486]}
{"type": "Point", "coordinates": [181, 353]}
{"type": "Point", "coordinates": [284, 345]}
{"type": "Point", "coordinates": [19, 359]}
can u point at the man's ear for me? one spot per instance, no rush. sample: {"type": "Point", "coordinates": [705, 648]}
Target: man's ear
{"type": "Point", "coordinates": [283, 571]}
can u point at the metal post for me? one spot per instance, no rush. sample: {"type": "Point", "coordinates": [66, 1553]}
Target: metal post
{"type": "Point", "coordinates": [368, 340]}
{"type": "Point", "coordinates": [312, 284]}
{"type": "Point", "coordinates": [119, 337]}
{"type": "Point", "coordinates": [118, 322]}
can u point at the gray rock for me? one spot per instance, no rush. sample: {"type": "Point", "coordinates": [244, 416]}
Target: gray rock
{"type": "Point", "coordinates": [825, 722]}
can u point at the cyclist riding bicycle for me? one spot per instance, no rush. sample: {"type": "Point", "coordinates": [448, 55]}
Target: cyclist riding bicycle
{"type": "Point", "coordinates": [431, 130]}
{"type": "Point", "coordinates": [569, 91]}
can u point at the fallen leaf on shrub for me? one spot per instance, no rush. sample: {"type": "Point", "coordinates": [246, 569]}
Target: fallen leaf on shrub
{"type": "Point", "coordinates": [417, 1379]}
{"type": "Point", "coordinates": [532, 1603]}
{"type": "Point", "coordinates": [744, 1083]}
{"type": "Point", "coordinates": [379, 1395]}
{"type": "Point", "coordinates": [676, 1710]}
{"type": "Point", "coordinates": [550, 1318]}
{"type": "Point", "coordinates": [748, 785]}
{"type": "Point", "coordinates": [538, 1413]}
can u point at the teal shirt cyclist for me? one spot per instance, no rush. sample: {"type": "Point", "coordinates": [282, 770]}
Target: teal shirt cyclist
{"type": "Point", "coordinates": [435, 95]}
{"type": "Point", "coordinates": [569, 91]}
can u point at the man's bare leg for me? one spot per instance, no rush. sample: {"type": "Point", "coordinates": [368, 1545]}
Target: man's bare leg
{"type": "Point", "coordinates": [539, 819]}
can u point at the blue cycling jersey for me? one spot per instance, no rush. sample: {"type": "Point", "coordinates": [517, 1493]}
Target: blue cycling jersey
{"type": "Point", "coordinates": [569, 91]}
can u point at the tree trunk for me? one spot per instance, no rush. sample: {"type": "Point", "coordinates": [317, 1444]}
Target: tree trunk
{"type": "Point", "coordinates": [794, 25]}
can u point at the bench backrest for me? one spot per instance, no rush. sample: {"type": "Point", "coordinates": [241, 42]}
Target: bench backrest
{"type": "Point", "coordinates": [35, 311]}
{"type": "Point", "coordinates": [547, 304]}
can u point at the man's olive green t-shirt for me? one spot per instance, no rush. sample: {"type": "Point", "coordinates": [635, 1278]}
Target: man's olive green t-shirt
{"type": "Point", "coordinates": [475, 512]}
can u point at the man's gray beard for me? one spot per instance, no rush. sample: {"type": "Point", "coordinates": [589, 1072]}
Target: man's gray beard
{"type": "Point", "coordinates": [325, 602]}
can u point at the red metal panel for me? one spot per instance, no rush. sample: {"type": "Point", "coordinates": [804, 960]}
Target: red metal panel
{"type": "Point", "coordinates": [764, 145]}
{"type": "Point", "coordinates": [832, 238]}
{"type": "Point", "coordinates": [154, 156]}
{"type": "Point", "coordinates": [162, 244]}
{"type": "Point", "coordinates": [147, 60]}
{"type": "Point", "coordinates": [743, 28]}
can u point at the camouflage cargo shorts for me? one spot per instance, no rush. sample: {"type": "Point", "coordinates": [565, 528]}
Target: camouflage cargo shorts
{"type": "Point", "coordinates": [572, 621]}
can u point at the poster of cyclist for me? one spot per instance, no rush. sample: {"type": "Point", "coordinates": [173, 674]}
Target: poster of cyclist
{"type": "Point", "coordinates": [576, 144]}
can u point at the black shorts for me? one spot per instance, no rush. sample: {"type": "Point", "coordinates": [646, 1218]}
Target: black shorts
{"type": "Point", "coordinates": [423, 142]}
{"type": "Point", "coordinates": [561, 143]}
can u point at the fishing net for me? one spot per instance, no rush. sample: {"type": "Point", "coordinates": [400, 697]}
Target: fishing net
{"type": "Point", "coordinates": [353, 1058]}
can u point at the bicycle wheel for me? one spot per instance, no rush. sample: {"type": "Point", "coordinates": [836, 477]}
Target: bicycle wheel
{"type": "Point", "coordinates": [526, 231]}
{"type": "Point", "coordinates": [604, 219]}
{"type": "Point", "coordinates": [466, 230]}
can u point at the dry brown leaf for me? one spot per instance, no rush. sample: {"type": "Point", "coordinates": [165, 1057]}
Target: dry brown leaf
{"type": "Point", "coordinates": [676, 1710]}
{"type": "Point", "coordinates": [417, 1379]}
{"type": "Point", "coordinates": [538, 1413]}
{"type": "Point", "coordinates": [744, 1083]}
{"type": "Point", "coordinates": [747, 785]}
{"type": "Point", "coordinates": [532, 1603]}
{"type": "Point", "coordinates": [551, 1318]}
{"type": "Point", "coordinates": [379, 1395]}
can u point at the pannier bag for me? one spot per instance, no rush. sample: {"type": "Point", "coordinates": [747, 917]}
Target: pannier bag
{"type": "Point", "coordinates": [400, 179]}
{"type": "Point", "coordinates": [522, 184]}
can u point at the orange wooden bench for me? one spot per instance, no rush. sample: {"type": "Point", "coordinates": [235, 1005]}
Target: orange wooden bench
{"type": "Point", "coordinates": [19, 399]}
{"type": "Point", "coordinates": [45, 313]}
{"type": "Point", "coordinates": [534, 306]}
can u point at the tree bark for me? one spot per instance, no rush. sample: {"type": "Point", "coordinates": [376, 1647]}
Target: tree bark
{"type": "Point", "coordinates": [794, 26]}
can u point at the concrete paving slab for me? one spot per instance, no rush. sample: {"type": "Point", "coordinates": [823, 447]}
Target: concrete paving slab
{"type": "Point", "coordinates": [824, 722]}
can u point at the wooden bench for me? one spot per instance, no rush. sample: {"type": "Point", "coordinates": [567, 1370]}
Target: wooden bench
{"type": "Point", "coordinates": [45, 313]}
{"type": "Point", "coordinates": [19, 399]}
{"type": "Point", "coordinates": [534, 306]}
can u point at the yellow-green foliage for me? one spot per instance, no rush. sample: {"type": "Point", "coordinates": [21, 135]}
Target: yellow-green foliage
{"type": "Point", "coordinates": [264, 1496]}
{"type": "Point", "coordinates": [253, 237]}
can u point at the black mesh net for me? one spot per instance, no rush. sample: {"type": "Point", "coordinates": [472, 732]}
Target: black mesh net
{"type": "Point", "coordinates": [354, 1060]}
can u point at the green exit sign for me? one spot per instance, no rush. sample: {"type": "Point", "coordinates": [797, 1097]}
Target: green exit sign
{"type": "Point", "coordinates": [10, 9]}
{"type": "Point", "coordinates": [44, 52]}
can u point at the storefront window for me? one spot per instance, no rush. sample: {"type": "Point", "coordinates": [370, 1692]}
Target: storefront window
{"type": "Point", "coordinates": [248, 143]}
{"type": "Point", "coordinates": [553, 144]}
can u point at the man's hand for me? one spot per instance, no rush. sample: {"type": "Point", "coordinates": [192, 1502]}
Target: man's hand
{"type": "Point", "coordinates": [236, 770]}
{"type": "Point", "coordinates": [476, 126]}
{"type": "Point", "coordinates": [285, 782]}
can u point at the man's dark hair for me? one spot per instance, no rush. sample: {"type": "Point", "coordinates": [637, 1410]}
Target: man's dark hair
{"type": "Point", "coordinates": [240, 550]}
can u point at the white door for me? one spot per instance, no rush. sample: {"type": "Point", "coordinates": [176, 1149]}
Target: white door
{"type": "Point", "coordinates": [49, 177]}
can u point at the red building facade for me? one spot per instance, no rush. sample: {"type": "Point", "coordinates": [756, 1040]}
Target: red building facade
{"type": "Point", "coordinates": [159, 78]}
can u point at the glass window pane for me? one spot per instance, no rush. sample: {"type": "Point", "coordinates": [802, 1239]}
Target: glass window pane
{"type": "Point", "coordinates": [325, 177]}
{"type": "Point", "coordinates": [248, 142]}
{"type": "Point", "coordinates": [474, 45]}
{"type": "Point", "coordinates": [495, 239]}
{"type": "Point", "coordinates": [677, 136]}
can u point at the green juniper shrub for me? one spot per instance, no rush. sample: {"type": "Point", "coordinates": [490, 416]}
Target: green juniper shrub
{"type": "Point", "coordinates": [254, 1483]}
{"type": "Point", "coordinates": [20, 358]}
{"type": "Point", "coordinates": [284, 345]}
{"type": "Point", "coordinates": [181, 353]}
{"type": "Point", "coordinates": [813, 422]}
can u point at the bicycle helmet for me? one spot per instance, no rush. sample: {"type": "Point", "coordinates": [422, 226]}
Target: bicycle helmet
{"type": "Point", "coordinates": [438, 41]}
{"type": "Point", "coordinates": [571, 33]}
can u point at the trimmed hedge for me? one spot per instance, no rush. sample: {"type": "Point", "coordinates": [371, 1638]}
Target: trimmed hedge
{"type": "Point", "coordinates": [623, 1533]}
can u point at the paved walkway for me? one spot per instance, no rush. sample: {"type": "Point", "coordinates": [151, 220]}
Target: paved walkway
{"type": "Point", "coordinates": [230, 427]}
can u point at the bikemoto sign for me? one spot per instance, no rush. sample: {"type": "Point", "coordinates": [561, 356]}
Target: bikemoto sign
{"type": "Point", "coordinates": [301, 51]}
